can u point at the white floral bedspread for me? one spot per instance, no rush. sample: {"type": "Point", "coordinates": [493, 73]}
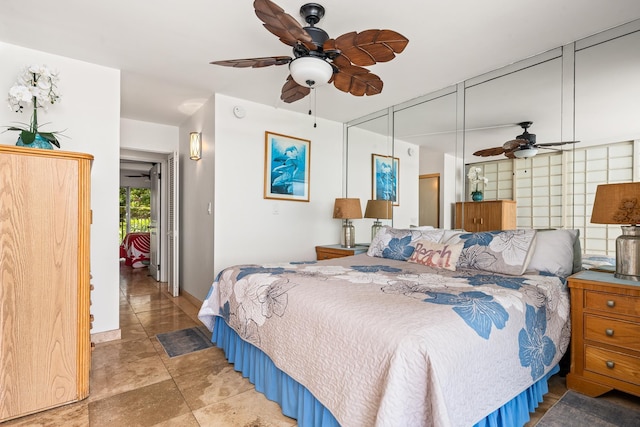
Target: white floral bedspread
{"type": "Point", "coordinates": [390, 343]}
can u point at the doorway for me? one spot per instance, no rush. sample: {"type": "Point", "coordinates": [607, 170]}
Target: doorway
{"type": "Point", "coordinates": [429, 200]}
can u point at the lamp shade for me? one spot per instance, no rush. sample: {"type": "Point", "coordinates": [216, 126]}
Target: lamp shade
{"type": "Point", "coordinates": [347, 209]}
{"type": "Point", "coordinates": [309, 71]}
{"type": "Point", "coordinates": [617, 204]}
{"type": "Point", "coordinates": [525, 153]}
{"type": "Point", "coordinates": [379, 209]}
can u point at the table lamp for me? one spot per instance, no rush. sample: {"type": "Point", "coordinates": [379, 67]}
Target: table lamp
{"type": "Point", "coordinates": [347, 209]}
{"type": "Point", "coordinates": [620, 204]}
{"type": "Point", "coordinates": [378, 209]}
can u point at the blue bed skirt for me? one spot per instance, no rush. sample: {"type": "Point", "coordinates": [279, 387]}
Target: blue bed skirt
{"type": "Point", "coordinates": [297, 402]}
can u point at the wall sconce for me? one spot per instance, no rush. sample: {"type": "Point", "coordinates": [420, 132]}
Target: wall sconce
{"type": "Point", "coordinates": [195, 145]}
{"type": "Point", "coordinates": [620, 204]}
{"type": "Point", "coordinates": [378, 209]}
{"type": "Point", "coordinates": [347, 209]}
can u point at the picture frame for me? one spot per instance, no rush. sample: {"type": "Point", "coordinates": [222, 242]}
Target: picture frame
{"type": "Point", "coordinates": [385, 172]}
{"type": "Point", "coordinates": [287, 163]}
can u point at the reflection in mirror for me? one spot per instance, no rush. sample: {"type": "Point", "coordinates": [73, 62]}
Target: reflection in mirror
{"type": "Point", "coordinates": [364, 139]}
{"type": "Point", "coordinates": [425, 141]}
{"type": "Point", "coordinates": [607, 121]}
{"type": "Point", "coordinates": [494, 110]}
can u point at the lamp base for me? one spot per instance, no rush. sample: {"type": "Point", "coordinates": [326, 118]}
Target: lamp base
{"type": "Point", "coordinates": [628, 254]}
{"type": "Point", "coordinates": [348, 236]}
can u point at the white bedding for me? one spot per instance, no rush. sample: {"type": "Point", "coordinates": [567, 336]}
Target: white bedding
{"type": "Point", "coordinates": [389, 343]}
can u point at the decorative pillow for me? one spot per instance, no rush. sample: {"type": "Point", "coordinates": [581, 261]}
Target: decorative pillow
{"type": "Point", "coordinates": [399, 244]}
{"type": "Point", "coordinates": [555, 252]}
{"type": "Point", "coordinates": [437, 255]}
{"type": "Point", "coordinates": [506, 252]}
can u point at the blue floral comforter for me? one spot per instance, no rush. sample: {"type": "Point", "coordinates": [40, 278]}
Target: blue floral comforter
{"type": "Point", "coordinates": [390, 343]}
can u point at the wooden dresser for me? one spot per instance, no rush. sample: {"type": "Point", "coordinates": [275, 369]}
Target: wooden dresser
{"type": "Point", "coordinates": [45, 219]}
{"type": "Point", "coordinates": [605, 334]}
{"type": "Point", "coordinates": [486, 216]}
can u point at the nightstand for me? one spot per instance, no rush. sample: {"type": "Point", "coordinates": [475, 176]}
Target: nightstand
{"type": "Point", "coordinates": [605, 334]}
{"type": "Point", "coordinates": [337, 251]}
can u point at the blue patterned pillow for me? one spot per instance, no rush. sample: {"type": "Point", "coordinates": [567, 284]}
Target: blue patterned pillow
{"type": "Point", "coordinates": [395, 243]}
{"type": "Point", "coordinates": [506, 252]}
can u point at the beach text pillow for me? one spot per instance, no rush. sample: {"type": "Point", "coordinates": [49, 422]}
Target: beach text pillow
{"type": "Point", "coordinates": [436, 255]}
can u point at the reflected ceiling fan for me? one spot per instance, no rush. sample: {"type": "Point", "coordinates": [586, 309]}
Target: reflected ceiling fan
{"type": "Point", "coordinates": [523, 146]}
{"type": "Point", "coordinates": [318, 59]}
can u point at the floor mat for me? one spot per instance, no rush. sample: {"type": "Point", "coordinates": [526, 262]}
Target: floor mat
{"type": "Point", "coordinates": [178, 343]}
{"type": "Point", "coordinates": [575, 409]}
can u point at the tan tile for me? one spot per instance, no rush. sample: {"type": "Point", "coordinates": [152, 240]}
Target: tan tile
{"type": "Point", "coordinates": [122, 376]}
{"type": "Point", "coordinates": [165, 320]}
{"type": "Point", "coordinates": [121, 352]}
{"type": "Point", "coordinates": [195, 362]}
{"type": "Point", "coordinates": [134, 331]}
{"type": "Point", "coordinates": [145, 406]}
{"type": "Point", "coordinates": [246, 409]}
{"type": "Point", "coordinates": [71, 415]}
{"type": "Point", "coordinates": [204, 388]}
{"type": "Point", "coordinates": [142, 303]}
{"type": "Point", "coordinates": [186, 420]}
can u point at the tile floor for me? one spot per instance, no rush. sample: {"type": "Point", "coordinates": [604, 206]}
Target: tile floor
{"type": "Point", "coordinates": [135, 383]}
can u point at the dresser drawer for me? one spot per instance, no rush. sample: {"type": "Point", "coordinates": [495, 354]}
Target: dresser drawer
{"type": "Point", "coordinates": [612, 331]}
{"type": "Point", "coordinates": [612, 303]}
{"type": "Point", "coordinates": [612, 364]}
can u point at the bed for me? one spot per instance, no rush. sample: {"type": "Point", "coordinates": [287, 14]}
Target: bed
{"type": "Point", "coordinates": [135, 249]}
{"type": "Point", "coordinates": [429, 327]}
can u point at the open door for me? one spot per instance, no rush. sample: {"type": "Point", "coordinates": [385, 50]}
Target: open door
{"type": "Point", "coordinates": [154, 223]}
{"type": "Point", "coordinates": [429, 200]}
{"type": "Point", "coordinates": [172, 224]}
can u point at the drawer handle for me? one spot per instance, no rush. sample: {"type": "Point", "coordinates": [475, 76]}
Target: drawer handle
{"type": "Point", "coordinates": [610, 364]}
{"type": "Point", "coordinates": [611, 303]}
{"type": "Point", "coordinates": [609, 332]}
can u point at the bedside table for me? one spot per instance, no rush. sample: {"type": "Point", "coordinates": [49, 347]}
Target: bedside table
{"type": "Point", "coordinates": [605, 334]}
{"type": "Point", "coordinates": [337, 251]}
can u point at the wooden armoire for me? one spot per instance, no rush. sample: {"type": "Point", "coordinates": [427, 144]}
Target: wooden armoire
{"type": "Point", "coordinates": [45, 218]}
{"type": "Point", "coordinates": [489, 215]}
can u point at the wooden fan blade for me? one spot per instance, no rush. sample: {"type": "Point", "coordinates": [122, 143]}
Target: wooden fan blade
{"type": "Point", "coordinates": [510, 154]}
{"type": "Point", "coordinates": [292, 91]}
{"type": "Point", "coordinates": [513, 144]}
{"type": "Point", "coordinates": [489, 152]}
{"type": "Point", "coordinates": [368, 47]}
{"type": "Point", "coordinates": [254, 62]}
{"type": "Point", "coordinates": [555, 144]}
{"type": "Point", "coordinates": [281, 24]}
{"type": "Point", "coordinates": [355, 80]}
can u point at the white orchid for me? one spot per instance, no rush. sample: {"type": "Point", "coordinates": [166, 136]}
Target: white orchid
{"type": "Point", "coordinates": [475, 178]}
{"type": "Point", "coordinates": [36, 87]}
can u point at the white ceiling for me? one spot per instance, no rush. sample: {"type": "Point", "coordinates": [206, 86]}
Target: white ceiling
{"type": "Point", "coordinates": [164, 47]}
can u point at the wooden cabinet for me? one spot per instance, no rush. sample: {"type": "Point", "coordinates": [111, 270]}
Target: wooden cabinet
{"type": "Point", "coordinates": [486, 216]}
{"type": "Point", "coordinates": [45, 221]}
{"type": "Point", "coordinates": [337, 251]}
{"type": "Point", "coordinates": [605, 334]}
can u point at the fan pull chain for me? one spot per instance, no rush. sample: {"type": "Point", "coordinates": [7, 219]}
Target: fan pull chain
{"type": "Point", "coordinates": [315, 103]}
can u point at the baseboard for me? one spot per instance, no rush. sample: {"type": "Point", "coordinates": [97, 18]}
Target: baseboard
{"type": "Point", "coordinates": [193, 300]}
{"type": "Point", "coordinates": [105, 336]}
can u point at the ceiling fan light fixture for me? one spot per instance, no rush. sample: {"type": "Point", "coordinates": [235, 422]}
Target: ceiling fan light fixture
{"type": "Point", "coordinates": [309, 71]}
{"type": "Point", "coordinates": [525, 153]}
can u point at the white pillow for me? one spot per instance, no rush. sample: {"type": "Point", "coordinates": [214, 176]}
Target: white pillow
{"type": "Point", "coordinates": [554, 252]}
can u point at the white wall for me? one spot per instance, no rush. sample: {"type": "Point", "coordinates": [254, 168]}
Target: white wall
{"type": "Point", "coordinates": [150, 137]}
{"type": "Point", "coordinates": [245, 227]}
{"type": "Point", "coordinates": [89, 114]}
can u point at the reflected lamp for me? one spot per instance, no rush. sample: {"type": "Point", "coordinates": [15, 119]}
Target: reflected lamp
{"type": "Point", "coordinates": [195, 145]}
{"type": "Point", "coordinates": [620, 204]}
{"type": "Point", "coordinates": [378, 209]}
{"type": "Point", "coordinates": [347, 209]}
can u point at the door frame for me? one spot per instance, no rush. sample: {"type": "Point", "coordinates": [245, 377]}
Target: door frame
{"type": "Point", "coordinates": [428, 176]}
{"type": "Point", "coordinates": [162, 158]}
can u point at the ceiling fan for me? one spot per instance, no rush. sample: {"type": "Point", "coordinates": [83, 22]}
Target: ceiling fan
{"type": "Point", "coordinates": [523, 146]}
{"type": "Point", "coordinates": [318, 59]}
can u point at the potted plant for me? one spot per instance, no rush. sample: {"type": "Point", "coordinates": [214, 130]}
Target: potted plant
{"type": "Point", "coordinates": [474, 179]}
{"type": "Point", "coordinates": [36, 87]}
